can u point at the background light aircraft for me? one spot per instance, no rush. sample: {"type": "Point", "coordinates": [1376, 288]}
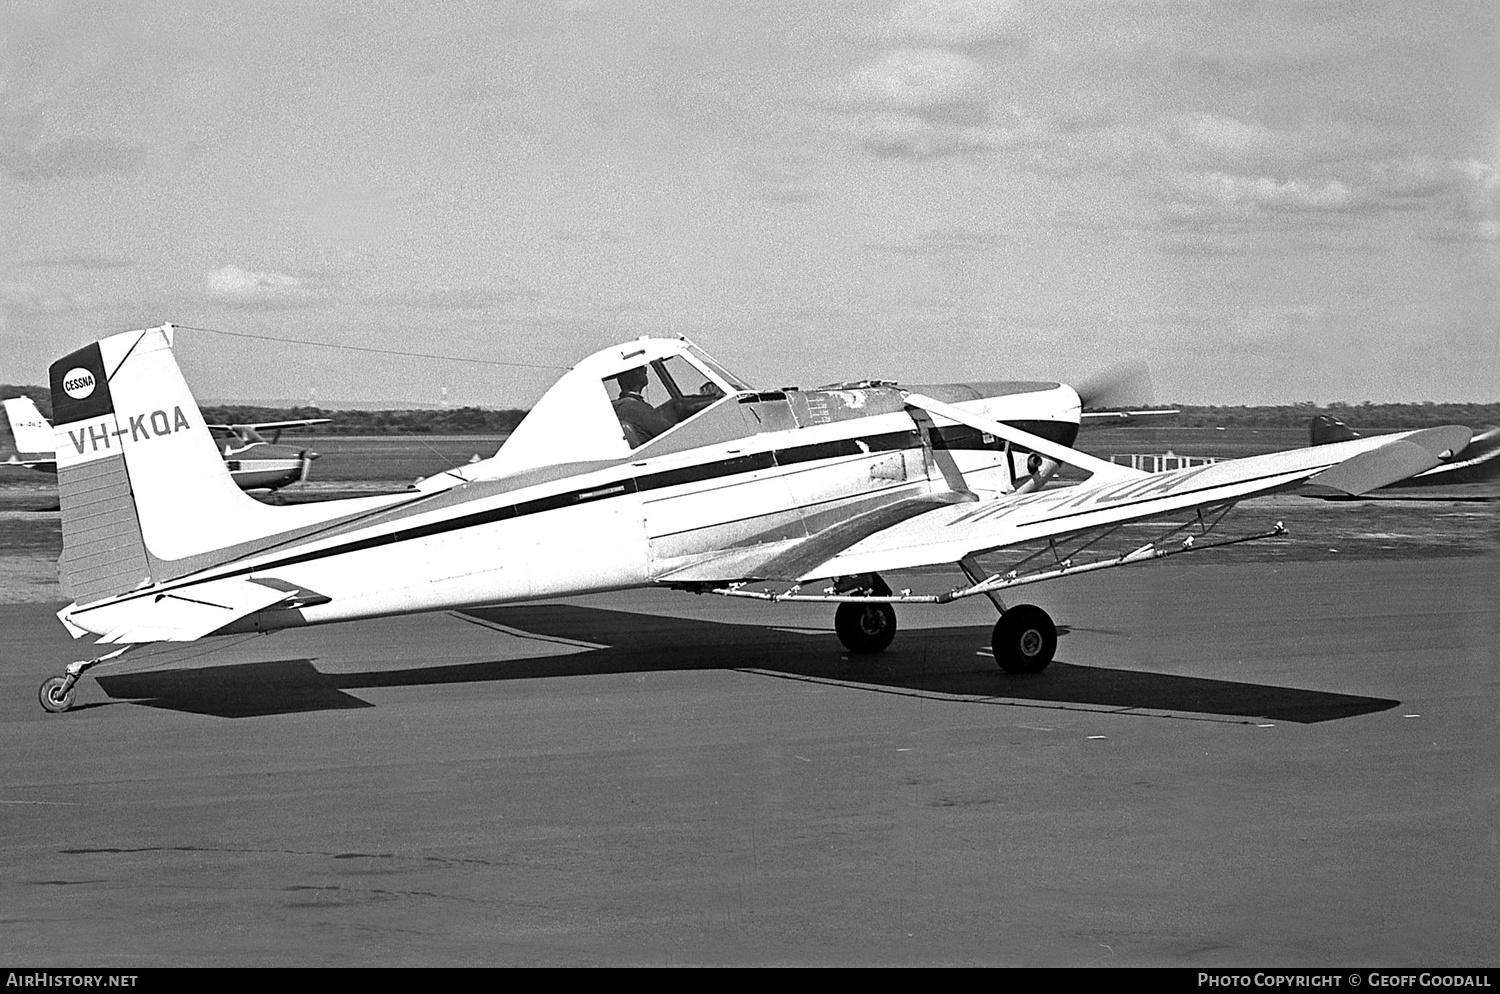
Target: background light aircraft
{"type": "Point", "coordinates": [722, 489]}
{"type": "Point", "coordinates": [1479, 461]}
{"type": "Point", "coordinates": [263, 470]}
{"type": "Point", "coordinates": [32, 436]}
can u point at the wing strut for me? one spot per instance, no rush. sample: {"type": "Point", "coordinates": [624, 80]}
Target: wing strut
{"type": "Point", "coordinates": [1062, 564]}
{"type": "Point", "coordinates": [1099, 469]}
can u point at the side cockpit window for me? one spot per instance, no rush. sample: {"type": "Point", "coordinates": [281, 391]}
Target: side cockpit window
{"type": "Point", "coordinates": [654, 397]}
{"type": "Point", "coordinates": [640, 401]}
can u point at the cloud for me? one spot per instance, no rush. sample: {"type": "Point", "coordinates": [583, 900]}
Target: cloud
{"type": "Point", "coordinates": [954, 22]}
{"type": "Point", "coordinates": [941, 243]}
{"type": "Point", "coordinates": [1212, 139]}
{"type": "Point", "coordinates": [242, 288]}
{"type": "Point", "coordinates": [1465, 196]}
{"type": "Point", "coordinates": [17, 297]}
{"type": "Point", "coordinates": [926, 103]}
{"type": "Point", "coordinates": [926, 80]}
{"type": "Point", "coordinates": [71, 158]}
{"type": "Point", "coordinates": [1473, 213]}
{"type": "Point", "coordinates": [779, 177]}
{"type": "Point", "coordinates": [1226, 191]}
{"type": "Point", "coordinates": [443, 298]}
{"type": "Point", "coordinates": [84, 261]}
{"type": "Point", "coordinates": [913, 136]}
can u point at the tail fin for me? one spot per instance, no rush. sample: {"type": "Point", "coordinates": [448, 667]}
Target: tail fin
{"type": "Point", "coordinates": [1323, 429]}
{"type": "Point", "coordinates": [143, 490]}
{"type": "Point", "coordinates": [31, 431]}
{"type": "Point", "coordinates": [145, 495]}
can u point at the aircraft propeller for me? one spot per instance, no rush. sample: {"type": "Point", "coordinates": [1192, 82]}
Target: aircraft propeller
{"type": "Point", "coordinates": [1122, 386]}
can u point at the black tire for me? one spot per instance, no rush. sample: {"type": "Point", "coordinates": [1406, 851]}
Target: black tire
{"type": "Point", "coordinates": [1025, 639]}
{"type": "Point", "coordinates": [865, 628]}
{"type": "Point", "coordinates": [51, 696]}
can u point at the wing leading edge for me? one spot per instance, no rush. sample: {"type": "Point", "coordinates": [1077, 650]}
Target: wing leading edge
{"type": "Point", "coordinates": [949, 534]}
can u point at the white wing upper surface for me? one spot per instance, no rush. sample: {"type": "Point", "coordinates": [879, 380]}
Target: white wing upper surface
{"type": "Point", "coordinates": [948, 534]}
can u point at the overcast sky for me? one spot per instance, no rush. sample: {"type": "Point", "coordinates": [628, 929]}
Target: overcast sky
{"type": "Point", "coordinates": [1264, 202]}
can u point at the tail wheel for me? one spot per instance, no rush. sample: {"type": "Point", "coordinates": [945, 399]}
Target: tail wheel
{"type": "Point", "coordinates": [56, 696]}
{"type": "Point", "coordinates": [865, 628]}
{"type": "Point", "coordinates": [1025, 639]}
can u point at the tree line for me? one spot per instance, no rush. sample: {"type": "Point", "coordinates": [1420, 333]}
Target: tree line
{"type": "Point", "coordinates": [488, 421]}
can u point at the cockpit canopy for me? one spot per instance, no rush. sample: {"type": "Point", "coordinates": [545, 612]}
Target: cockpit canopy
{"type": "Point", "coordinates": [617, 400]}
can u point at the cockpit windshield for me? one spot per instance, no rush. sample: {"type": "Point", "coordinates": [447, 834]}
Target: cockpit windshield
{"type": "Point", "coordinates": [654, 397]}
{"type": "Point", "coordinates": [718, 370]}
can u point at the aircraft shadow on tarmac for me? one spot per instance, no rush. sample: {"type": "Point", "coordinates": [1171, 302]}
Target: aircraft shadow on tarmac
{"type": "Point", "coordinates": [946, 662]}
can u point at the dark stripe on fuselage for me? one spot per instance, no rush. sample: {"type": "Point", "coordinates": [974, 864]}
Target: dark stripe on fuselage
{"type": "Point", "coordinates": [964, 437]}
{"type": "Point", "coordinates": [755, 462]}
{"type": "Point", "coordinates": [839, 448]}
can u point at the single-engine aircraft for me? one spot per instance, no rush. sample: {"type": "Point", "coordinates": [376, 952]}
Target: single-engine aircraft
{"type": "Point", "coordinates": [263, 471]}
{"type": "Point", "coordinates": [647, 464]}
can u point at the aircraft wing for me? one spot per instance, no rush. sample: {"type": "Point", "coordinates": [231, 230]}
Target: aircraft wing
{"type": "Point", "coordinates": [271, 425]}
{"type": "Point", "coordinates": [1110, 419]}
{"type": "Point", "coordinates": [251, 432]}
{"type": "Point", "coordinates": [948, 534]}
{"type": "Point", "coordinates": [40, 465]}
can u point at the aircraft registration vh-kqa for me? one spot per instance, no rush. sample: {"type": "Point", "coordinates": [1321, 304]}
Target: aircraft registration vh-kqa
{"type": "Point", "coordinates": [647, 464]}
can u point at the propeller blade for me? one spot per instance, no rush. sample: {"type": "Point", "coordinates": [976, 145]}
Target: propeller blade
{"type": "Point", "coordinates": [1123, 386]}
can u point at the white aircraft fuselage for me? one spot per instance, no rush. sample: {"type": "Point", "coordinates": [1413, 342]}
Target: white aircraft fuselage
{"type": "Point", "coordinates": [780, 466]}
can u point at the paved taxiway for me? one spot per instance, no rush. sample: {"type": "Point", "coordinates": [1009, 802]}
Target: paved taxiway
{"type": "Point", "coordinates": [1228, 765]}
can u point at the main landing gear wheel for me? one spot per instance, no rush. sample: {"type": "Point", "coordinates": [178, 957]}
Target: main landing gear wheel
{"type": "Point", "coordinates": [56, 694]}
{"type": "Point", "coordinates": [1025, 639]}
{"type": "Point", "coordinates": [865, 628]}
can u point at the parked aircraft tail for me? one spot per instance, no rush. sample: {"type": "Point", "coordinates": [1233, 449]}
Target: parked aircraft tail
{"type": "Point", "coordinates": [30, 429]}
{"type": "Point", "coordinates": [1324, 429]}
{"type": "Point", "coordinates": [1478, 462]}
{"type": "Point", "coordinates": [145, 495]}
{"type": "Point", "coordinates": [132, 453]}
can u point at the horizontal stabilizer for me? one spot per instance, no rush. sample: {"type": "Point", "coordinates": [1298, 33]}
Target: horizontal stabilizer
{"type": "Point", "coordinates": [1393, 462]}
{"type": "Point", "coordinates": [199, 610]}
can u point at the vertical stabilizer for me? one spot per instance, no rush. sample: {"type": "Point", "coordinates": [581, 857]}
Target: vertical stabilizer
{"type": "Point", "coordinates": [145, 495]}
{"type": "Point", "coordinates": [140, 480]}
{"type": "Point", "coordinates": [1325, 429]}
{"type": "Point", "coordinates": [31, 431]}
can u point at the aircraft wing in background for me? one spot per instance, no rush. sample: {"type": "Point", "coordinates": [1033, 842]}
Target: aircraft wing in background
{"type": "Point", "coordinates": [249, 433]}
{"type": "Point", "coordinates": [1111, 419]}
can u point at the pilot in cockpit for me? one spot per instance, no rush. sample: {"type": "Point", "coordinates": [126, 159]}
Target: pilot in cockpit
{"type": "Point", "coordinates": [638, 417]}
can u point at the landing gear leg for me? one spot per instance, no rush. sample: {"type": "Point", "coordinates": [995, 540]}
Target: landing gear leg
{"type": "Point", "coordinates": [972, 570]}
{"type": "Point", "coordinates": [865, 629]}
{"type": "Point", "coordinates": [56, 694]}
{"type": "Point", "coordinates": [1024, 640]}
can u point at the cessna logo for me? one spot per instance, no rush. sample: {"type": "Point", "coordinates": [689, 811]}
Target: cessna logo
{"type": "Point", "coordinates": [139, 428]}
{"type": "Point", "coordinates": [78, 383]}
